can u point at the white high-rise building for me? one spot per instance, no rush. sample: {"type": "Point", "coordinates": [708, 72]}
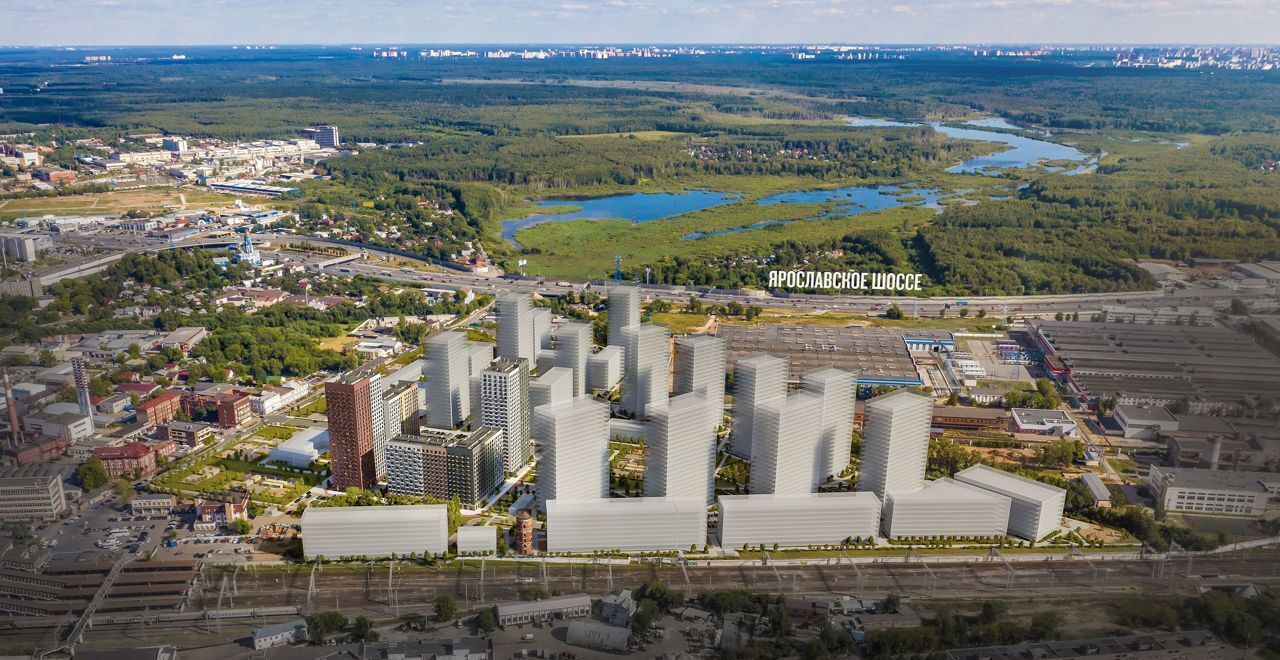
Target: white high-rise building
{"type": "Point", "coordinates": [699, 367]}
{"type": "Point", "coordinates": [895, 442]}
{"type": "Point", "coordinates": [447, 368]}
{"type": "Point", "coordinates": [757, 380]}
{"type": "Point", "coordinates": [400, 404]}
{"type": "Point", "coordinates": [516, 336]}
{"type": "Point", "coordinates": [786, 448]}
{"type": "Point", "coordinates": [83, 399]}
{"type": "Point", "coordinates": [574, 464]}
{"type": "Point", "coordinates": [680, 448]}
{"type": "Point", "coordinates": [646, 379]}
{"type": "Point", "coordinates": [624, 311]}
{"type": "Point", "coordinates": [541, 329]}
{"type": "Point", "coordinates": [552, 387]}
{"type": "Point", "coordinates": [505, 406]}
{"type": "Point", "coordinates": [573, 349]}
{"type": "Point", "coordinates": [378, 413]}
{"type": "Point", "coordinates": [838, 390]}
{"type": "Point", "coordinates": [604, 369]}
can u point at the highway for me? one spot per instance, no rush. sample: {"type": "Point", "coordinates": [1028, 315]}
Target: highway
{"type": "Point", "coordinates": [996, 306]}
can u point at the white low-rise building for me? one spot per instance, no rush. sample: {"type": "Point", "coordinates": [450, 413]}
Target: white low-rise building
{"type": "Point", "coordinates": [1035, 510]}
{"type": "Point", "coordinates": [302, 449]}
{"type": "Point", "coordinates": [637, 524]}
{"type": "Point", "coordinates": [374, 531]}
{"type": "Point", "coordinates": [1145, 422]}
{"type": "Point", "coordinates": [477, 540]}
{"type": "Point", "coordinates": [797, 520]}
{"type": "Point", "coordinates": [1214, 492]}
{"type": "Point", "coordinates": [945, 507]}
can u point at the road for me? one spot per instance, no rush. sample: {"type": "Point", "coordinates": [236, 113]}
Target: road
{"type": "Point", "coordinates": [1085, 304]}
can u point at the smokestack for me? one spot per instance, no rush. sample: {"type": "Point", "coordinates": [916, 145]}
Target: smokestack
{"type": "Point", "coordinates": [1215, 451]}
{"type": "Point", "coordinates": [15, 429]}
{"type": "Point", "coordinates": [82, 389]}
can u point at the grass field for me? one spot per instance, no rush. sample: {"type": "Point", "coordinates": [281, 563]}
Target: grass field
{"type": "Point", "coordinates": [339, 344]}
{"type": "Point", "coordinates": [585, 249]}
{"type": "Point", "coordinates": [111, 203]}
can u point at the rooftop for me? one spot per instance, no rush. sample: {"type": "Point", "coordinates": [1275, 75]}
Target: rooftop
{"type": "Point", "coordinates": [1008, 483]}
{"type": "Point", "coordinates": [511, 608]}
{"type": "Point", "coordinates": [1036, 417]}
{"type": "Point", "coordinates": [945, 490]}
{"type": "Point", "coordinates": [1214, 479]}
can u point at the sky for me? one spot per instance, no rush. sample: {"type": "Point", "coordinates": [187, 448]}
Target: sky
{"type": "Point", "coordinates": [392, 22]}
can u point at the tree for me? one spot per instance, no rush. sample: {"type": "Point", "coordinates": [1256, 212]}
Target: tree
{"type": "Point", "coordinates": [363, 630]}
{"type": "Point", "coordinates": [125, 490]}
{"type": "Point", "coordinates": [891, 603]}
{"type": "Point", "coordinates": [1044, 625]}
{"type": "Point", "coordinates": [446, 608]}
{"type": "Point", "coordinates": [321, 624]}
{"type": "Point", "coordinates": [894, 313]}
{"type": "Point", "coordinates": [485, 621]}
{"type": "Point", "coordinates": [92, 474]}
{"type": "Point", "coordinates": [241, 526]}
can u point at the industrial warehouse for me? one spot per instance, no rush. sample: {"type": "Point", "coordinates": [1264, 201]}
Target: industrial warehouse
{"type": "Point", "coordinates": [1211, 369]}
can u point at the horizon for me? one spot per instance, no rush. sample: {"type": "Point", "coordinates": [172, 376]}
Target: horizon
{"type": "Point", "coordinates": [336, 22]}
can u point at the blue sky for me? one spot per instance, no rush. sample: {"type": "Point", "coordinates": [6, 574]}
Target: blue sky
{"type": "Point", "coordinates": [52, 22]}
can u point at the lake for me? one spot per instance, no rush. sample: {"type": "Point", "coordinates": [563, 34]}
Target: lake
{"type": "Point", "coordinates": [1022, 152]}
{"type": "Point", "coordinates": [636, 207]}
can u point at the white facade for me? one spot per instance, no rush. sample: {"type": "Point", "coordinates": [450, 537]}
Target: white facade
{"type": "Point", "coordinates": [797, 520]}
{"type": "Point", "coordinates": [680, 450]}
{"type": "Point", "coordinates": [838, 391]}
{"type": "Point", "coordinates": [636, 524]}
{"type": "Point", "coordinates": [575, 450]}
{"type": "Point", "coordinates": [374, 531]}
{"type": "Point", "coordinates": [945, 507]}
{"type": "Point", "coordinates": [646, 376]}
{"type": "Point", "coordinates": [1035, 509]}
{"type": "Point", "coordinates": [573, 349]}
{"type": "Point", "coordinates": [1213, 492]}
{"type": "Point", "coordinates": [895, 442]}
{"type": "Point", "coordinates": [447, 367]}
{"type": "Point", "coordinates": [505, 406]}
{"type": "Point", "coordinates": [786, 449]}
{"type": "Point", "coordinates": [700, 366]}
{"type": "Point", "coordinates": [604, 369]}
{"type": "Point", "coordinates": [516, 337]}
{"type": "Point", "coordinates": [757, 380]}
{"type": "Point", "coordinates": [478, 540]}
{"type": "Point", "coordinates": [552, 387]}
{"type": "Point", "coordinates": [624, 311]}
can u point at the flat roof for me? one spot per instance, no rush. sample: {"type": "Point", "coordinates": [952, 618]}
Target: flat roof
{"type": "Point", "coordinates": [1094, 483]}
{"type": "Point", "coordinates": [1213, 479]}
{"type": "Point", "coordinates": [517, 607]}
{"type": "Point", "coordinates": [1146, 414]}
{"type": "Point", "coordinates": [873, 355]}
{"type": "Point", "coordinates": [371, 514]}
{"type": "Point", "coordinates": [944, 490]}
{"type": "Point", "coordinates": [1008, 483]}
{"type": "Point", "coordinates": [1037, 416]}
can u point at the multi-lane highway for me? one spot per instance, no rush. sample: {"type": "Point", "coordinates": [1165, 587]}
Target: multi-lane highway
{"type": "Point", "coordinates": [1087, 303]}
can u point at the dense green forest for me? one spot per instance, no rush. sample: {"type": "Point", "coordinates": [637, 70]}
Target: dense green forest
{"type": "Point", "coordinates": [1182, 157]}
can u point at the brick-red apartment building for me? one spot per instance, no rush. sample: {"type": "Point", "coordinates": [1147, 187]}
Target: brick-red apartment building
{"type": "Point", "coordinates": [350, 414]}
{"type": "Point", "coordinates": [128, 460]}
{"type": "Point", "coordinates": [160, 410]}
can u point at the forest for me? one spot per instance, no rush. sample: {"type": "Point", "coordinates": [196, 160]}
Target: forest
{"type": "Point", "coordinates": [1185, 159]}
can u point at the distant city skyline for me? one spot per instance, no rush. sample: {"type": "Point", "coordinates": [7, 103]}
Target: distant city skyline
{"type": "Point", "coordinates": [155, 22]}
